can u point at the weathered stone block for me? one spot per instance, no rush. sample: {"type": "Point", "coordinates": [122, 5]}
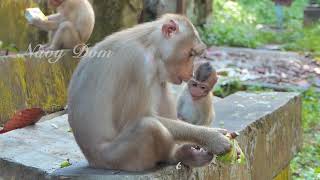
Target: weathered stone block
{"type": "Point", "coordinates": [311, 15]}
{"type": "Point", "coordinates": [270, 129]}
{"type": "Point", "coordinates": [33, 81]}
{"type": "Point", "coordinates": [270, 134]}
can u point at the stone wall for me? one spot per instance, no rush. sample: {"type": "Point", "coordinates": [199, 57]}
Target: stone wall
{"type": "Point", "coordinates": [28, 81]}
{"type": "Point", "coordinates": [270, 135]}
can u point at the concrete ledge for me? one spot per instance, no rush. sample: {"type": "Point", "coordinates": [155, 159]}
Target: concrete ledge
{"type": "Point", "coordinates": [270, 134]}
{"type": "Point", "coordinates": [29, 81]}
{"type": "Point", "coordinates": [270, 126]}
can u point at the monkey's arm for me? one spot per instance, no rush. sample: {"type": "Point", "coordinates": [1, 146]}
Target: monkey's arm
{"type": "Point", "coordinates": [205, 119]}
{"type": "Point", "coordinates": [55, 17]}
{"type": "Point", "coordinates": [180, 103]}
{"type": "Point", "coordinates": [48, 25]}
{"type": "Point", "coordinates": [167, 103]}
{"type": "Point", "coordinates": [212, 138]}
{"type": "Point", "coordinates": [180, 107]}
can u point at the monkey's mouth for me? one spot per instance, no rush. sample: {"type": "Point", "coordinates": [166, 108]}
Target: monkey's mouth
{"type": "Point", "coordinates": [179, 81]}
{"type": "Point", "coordinates": [176, 80]}
{"type": "Point", "coordinates": [196, 95]}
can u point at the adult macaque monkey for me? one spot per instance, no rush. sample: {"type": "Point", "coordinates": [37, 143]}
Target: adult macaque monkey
{"type": "Point", "coordinates": [71, 25]}
{"type": "Point", "coordinates": [113, 101]}
{"type": "Point", "coordinates": [195, 104]}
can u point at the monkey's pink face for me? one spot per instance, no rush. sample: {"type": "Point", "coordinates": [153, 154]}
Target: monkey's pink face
{"type": "Point", "coordinates": [186, 46]}
{"type": "Point", "coordinates": [198, 89]}
{"type": "Point", "coordinates": [181, 69]}
{"type": "Point", "coordinates": [55, 3]}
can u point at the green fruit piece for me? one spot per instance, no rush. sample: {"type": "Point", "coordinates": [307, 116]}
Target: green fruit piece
{"type": "Point", "coordinates": [65, 164]}
{"type": "Point", "coordinates": [232, 156]}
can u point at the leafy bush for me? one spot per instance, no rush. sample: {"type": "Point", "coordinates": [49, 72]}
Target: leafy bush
{"type": "Point", "coordinates": [247, 23]}
{"type": "Point", "coordinates": [306, 165]}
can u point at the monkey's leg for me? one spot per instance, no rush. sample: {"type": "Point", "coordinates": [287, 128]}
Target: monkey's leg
{"type": "Point", "coordinates": [138, 147]}
{"type": "Point", "coordinates": [145, 144]}
{"type": "Point", "coordinates": [66, 36]}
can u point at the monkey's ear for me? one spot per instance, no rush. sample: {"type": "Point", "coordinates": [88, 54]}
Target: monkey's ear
{"type": "Point", "coordinates": [168, 29]}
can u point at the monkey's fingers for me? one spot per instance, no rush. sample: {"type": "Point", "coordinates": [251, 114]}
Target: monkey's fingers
{"type": "Point", "coordinates": [222, 131]}
{"type": "Point", "coordinates": [232, 135]}
{"type": "Point", "coordinates": [220, 144]}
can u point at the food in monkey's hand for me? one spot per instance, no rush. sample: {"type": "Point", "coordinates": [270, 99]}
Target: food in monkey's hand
{"type": "Point", "coordinates": [235, 155]}
{"type": "Point", "coordinates": [34, 13]}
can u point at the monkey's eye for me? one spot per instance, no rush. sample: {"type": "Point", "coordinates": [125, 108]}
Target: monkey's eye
{"type": "Point", "coordinates": [194, 84]}
{"type": "Point", "coordinates": [203, 87]}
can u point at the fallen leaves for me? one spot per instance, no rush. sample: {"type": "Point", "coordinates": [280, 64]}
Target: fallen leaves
{"type": "Point", "coordinates": [22, 119]}
{"type": "Point", "coordinates": [277, 68]}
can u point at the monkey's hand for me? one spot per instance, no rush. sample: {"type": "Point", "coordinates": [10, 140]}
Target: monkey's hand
{"type": "Point", "coordinates": [235, 155]}
{"type": "Point", "coordinates": [36, 22]}
{"type": "Point", "coordinates": [216, 142]}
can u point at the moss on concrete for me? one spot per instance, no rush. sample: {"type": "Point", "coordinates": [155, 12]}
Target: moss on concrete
{"type": "Point", "coordinates": [33, 82]}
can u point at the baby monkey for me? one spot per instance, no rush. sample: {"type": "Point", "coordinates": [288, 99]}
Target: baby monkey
{"type": "Point", "coordinates": [195, 104]}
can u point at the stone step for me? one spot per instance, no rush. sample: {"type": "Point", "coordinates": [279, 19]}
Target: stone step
{"type": "Point", "coordinates": [270, 134]}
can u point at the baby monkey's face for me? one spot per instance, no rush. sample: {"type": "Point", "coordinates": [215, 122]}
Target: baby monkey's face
{"type": "Point", "coordinates": [203, 81]}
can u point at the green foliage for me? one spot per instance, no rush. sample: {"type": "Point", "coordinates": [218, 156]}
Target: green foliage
{"type": "Point", "coordinates": [250, 23]}
{"type": "Point", "coordinates": [229, 88]}
{"type": "Point", "coordinates": [311, 110]}
{"type": "Point", "coordinates": [235, 86]}
{"type": "Point", "coordinates": [8, 47]}
{"type": "Point", "coordinates": [306, 165]}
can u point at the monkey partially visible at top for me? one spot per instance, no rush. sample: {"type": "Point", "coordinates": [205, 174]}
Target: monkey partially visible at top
{"type": "Point", "coordinates": [71, 25]}
{"type": "Point", "coordinates": [195, 104]}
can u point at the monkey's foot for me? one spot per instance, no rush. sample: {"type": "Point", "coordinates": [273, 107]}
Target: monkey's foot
{"type": "Point", "coordinates": [193, 155]}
